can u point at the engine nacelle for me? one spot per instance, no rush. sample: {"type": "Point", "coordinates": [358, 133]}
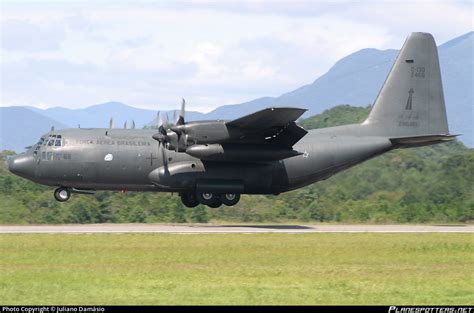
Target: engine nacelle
{"type": "Point", "coordinates": [178, 175]}
{"type": "Point", "coordinates": [205, 132]}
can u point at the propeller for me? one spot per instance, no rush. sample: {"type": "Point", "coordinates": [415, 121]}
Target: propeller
{"type": "Point", "coordinates": [162, 136]}
{"type": "Point", "coordinates": [163, 124]}
{"type": "Point", "coordinates": [171, 141]}
{"type": "Point", "coordinates": [180, 120]}
{"type": "Point", "coordinates": [179, 127]}
{"type": "Point", "coordinates": [125, 125]}
{"type": "Point", "coordinates": [111, 122]}
{"type": "Point", "coordinates": [133, 124]}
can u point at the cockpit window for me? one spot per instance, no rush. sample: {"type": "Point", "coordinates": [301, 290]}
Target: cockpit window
{"type": "Point", "coordinates": [51, 140]}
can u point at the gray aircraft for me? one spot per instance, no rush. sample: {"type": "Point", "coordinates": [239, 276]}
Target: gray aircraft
{"type": "Point", "coordinates": [214, 162]}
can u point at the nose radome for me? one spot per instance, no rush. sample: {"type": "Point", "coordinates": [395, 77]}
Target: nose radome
{"type": "Point", "coordinates": [22, 165]}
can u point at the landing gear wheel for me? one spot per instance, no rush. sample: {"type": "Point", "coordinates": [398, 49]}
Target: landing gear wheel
{"type": "Point", "coordinates": [189, 199]}
{"type": "Point", "coordinates": [217, 203]}
{"type": "Point", "coordinates": [230, 199]}
{"type": "Point", "coordinates": [208, 198]}
{"type": "Point", "coordinates": [62, 194]}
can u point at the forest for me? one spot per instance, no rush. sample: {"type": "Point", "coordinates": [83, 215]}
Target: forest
{"type": "Point", "coordinates": [433, 184]}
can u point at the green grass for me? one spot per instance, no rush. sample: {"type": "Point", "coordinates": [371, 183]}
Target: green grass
{"type": "Point", "coordinates": [237, 269]}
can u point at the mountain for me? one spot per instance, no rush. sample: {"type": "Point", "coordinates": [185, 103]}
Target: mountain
{"type": "Point", "coordinates": [21, 127]}
{"type": "Point", "coordinates": [99, 115]}
{"type": "Point", "coordinates": [357, 79]}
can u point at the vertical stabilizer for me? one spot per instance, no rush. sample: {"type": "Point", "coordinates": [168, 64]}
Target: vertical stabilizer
{"type": "Point", "coordinates": [411, 101]}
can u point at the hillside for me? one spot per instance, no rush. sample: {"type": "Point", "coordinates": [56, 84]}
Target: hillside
{"type": "Point", "coordinates": [429, 184]}
{"type": "Point", "coordinates": [339, 115]}
{"type": "Point", "coordinates": [21, 127]}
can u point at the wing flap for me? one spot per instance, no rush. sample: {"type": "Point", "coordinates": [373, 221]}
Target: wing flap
{"type": "Point", "coordinates": [290, 135]}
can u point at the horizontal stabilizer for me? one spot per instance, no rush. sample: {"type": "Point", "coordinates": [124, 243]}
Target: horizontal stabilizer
{"type": "Point", "coordinates": [416, 141]}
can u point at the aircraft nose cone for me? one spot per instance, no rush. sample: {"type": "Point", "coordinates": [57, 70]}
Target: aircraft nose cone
{"type": "Point", "coordinates": [22, 165]}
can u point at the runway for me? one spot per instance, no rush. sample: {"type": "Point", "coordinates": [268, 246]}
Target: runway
{"type": "Point", "coordinates": [224, 229]}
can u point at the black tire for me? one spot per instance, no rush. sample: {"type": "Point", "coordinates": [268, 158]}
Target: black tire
{"type": "Point", "coordinates": [189, 199]}
{"type": "Point", "coordinates": [230, 199]}
{"type": "Point", "coordinates": [217, 203]}
{"type": "Point", "coordinates": [207, 198]}
{"type": "Point", "coordinates": [62, 194]}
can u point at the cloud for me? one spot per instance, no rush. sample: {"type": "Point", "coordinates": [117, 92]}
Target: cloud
{"type": "Point", "coordinates": [18, 35]}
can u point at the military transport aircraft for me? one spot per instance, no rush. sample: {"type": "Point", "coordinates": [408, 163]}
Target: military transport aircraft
{"type": "Point", "coordinates": [214, 162]}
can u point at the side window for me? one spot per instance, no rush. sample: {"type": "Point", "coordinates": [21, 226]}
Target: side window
{"type": "Point", "coordinates": [49, 156]}
{"type": "Point", "coordinates": [57, 143]}
{"type": "Point", "coordinates": [43, 155]}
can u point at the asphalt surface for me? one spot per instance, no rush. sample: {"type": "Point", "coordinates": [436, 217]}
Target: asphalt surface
{"type": "Point", "coordinates": [211, 229]}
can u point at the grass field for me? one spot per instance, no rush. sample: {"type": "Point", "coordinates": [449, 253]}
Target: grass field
{"type": "Point", "coordinates": [237, 269]}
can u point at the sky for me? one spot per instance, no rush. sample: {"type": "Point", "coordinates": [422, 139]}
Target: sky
{"type": "Point", "coordinates": [150, 54]}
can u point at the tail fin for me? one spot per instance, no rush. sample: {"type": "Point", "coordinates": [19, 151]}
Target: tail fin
{"type": "Point", "coordinates": [411, 101]}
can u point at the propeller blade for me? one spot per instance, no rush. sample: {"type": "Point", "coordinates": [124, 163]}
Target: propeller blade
{"type": "Point", "coordinates": [181, 114]}
{"type": "Point", "coordinates": [133, 124]}
{"type": "Point", "coordinates": [165, 161]}
{"type": "Point", "coordinates": [175, 116]}
{"type": "Point", "coordinates": [125, 125]}
{"type": "Point", "coordinates": [111, 122]}
{"type": "Point", "coordinates": [165, 121]}
{"type": "Point", "coordinates": [162, 136]}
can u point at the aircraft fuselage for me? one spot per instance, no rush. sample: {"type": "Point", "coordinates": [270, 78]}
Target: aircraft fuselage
{"type": "Point", "coordinates": [118, 159]}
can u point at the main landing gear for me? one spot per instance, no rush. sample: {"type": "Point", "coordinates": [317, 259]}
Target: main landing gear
{"type": "Point", "coordinates": [213, 200]}
{"type": "Point", "coordinates": [62, 194]}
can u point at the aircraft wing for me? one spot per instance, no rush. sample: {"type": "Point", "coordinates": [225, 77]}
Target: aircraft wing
{"type": "Point", "coordinates": [267, 118]}
{"type": "Point", "coordinates": [275, 126]}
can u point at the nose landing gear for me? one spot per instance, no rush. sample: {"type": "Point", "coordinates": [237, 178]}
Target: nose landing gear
{"type": "Point", "coordinates": [62, 194]}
